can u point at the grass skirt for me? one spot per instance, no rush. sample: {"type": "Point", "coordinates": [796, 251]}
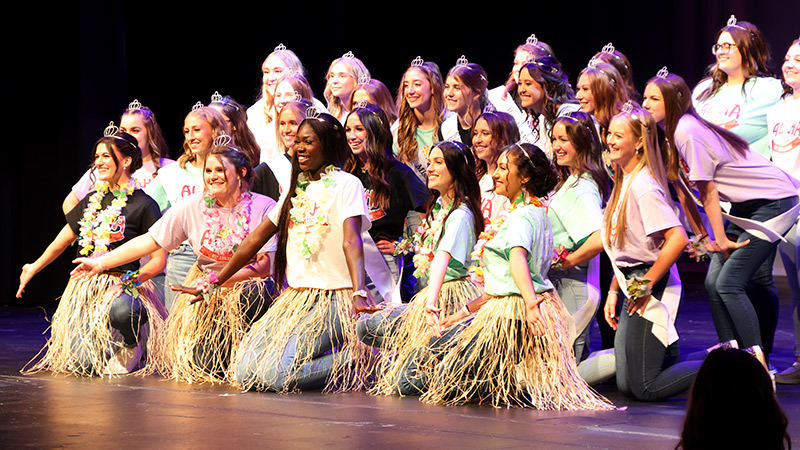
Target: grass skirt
{"type": "Point", "coordinates": [407, 340]}
{"type": "Point", "coordinates": [81, 339]}
{"type": "Point", "coordinates": [314, 321]}
{"type": "Point", "coordinates": [497, 359]}
{"type": "Point", "coordinates": [196, 343]}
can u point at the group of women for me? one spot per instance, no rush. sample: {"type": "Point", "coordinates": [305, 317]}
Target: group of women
{"type": "Point", "coordinates": [293, 233]}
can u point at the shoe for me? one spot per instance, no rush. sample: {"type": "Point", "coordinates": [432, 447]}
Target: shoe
{"type": "Point", "coordinates": [123, 361]}
{"type": "Point", "coordinates": [789, 376]}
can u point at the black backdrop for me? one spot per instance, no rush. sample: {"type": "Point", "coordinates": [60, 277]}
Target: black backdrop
{"type": "Point", "coordinates": [71, 68]}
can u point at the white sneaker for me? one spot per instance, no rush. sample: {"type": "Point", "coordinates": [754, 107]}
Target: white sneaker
{"type": "Point", "coordinates": [123, 361]}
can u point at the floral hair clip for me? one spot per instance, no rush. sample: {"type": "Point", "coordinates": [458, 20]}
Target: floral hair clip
{"type": "Point", "coordinates": [349, 55]}
{"type": "Point", "coordinates": [280, 48]}
{"type": "Point", "coordinates": [134, 105]}
{"type": "Point", "coordinates": [111, 130]}
{"type": "Point", "coordinates": [364, 79]}
{"type": "Point", "coordinates": [462, 62]}
{"type": "Point", "coordinates": [663, 73]}
{"type": "Point", "coordinates": [198, 106]}
{"type": "Point", "coordinates": [417, 62]}
{"type": "Point", "coordinates": [223, 140]}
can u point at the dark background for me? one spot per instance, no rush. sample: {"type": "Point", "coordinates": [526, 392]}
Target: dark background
{"type": "Point", "coordinates": [70, 68]}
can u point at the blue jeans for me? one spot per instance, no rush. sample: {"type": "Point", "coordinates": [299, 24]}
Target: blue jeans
{"type": "Point", "coordinates": [179, 262]}
{"type": "Point", "coordinates": [127, 315]}
{"type": "Point", "coordinates": [790, 255]}
{"type": "Point", "coordinates": [742, 294]}
{"type": "Point", "coordinates": [571, 285]}
{"type": "Point", "coordinates": [640, 356]}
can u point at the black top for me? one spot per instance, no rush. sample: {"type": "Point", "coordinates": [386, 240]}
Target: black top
{"type": "Point", "coordinates": [265, 183]}
{"type": "Point", "coordinates": [408, 194]}
{"type": "Point", "coordinates": [139, 213]}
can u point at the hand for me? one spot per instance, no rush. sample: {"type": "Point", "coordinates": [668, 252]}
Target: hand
{"type": "Point", "coordinates": [27, 273]}
{"type": "Point", "coordinates": [86, 268]}
{"type": "Point", "coordinates": [610, 311]}
{"type": "Point", "coordinates": [534, 318]}
{"type": "Point", "coordinates": [725, 246]}
{"type": "Point", "coordinates": [432, 318]}
{"type": "Point", "coordinates": [197, 295]}
{"type": "Point", "coordinates": [385, 246]}
{"type": "Point", "coordinates": [638, 305]}
{"type": "Point", "coordinates": [458, 316]}
{"type": "Point", "coordinates": [362, 305]}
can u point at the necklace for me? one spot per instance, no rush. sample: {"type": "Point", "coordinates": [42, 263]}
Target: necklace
{"type": "Point", "coordinates": [427, 236]}
{"type": "Point", "coordinates": [224, 241]}
{"type": "Point", "coordinates": [308, 220]}
{"type": "Point", "coordinates": [95, 225]}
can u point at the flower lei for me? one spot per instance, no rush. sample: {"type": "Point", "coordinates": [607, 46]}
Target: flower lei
{"type": "Point", "coordinates": [560, 254]}
{"type": "Point", "coordinates": [425, 238]}
{"type": "Point", "coordinates": [223, 240]}
{"type": "Point", "coordinates": [308, 223]}
{"type": "Point", "coordinates": [95, 225]}
{"type": "Point", "coordinates": [207, 283]}
{"type": "Point", "coordinates": [490, 231]}
{"type": "Point", "coordinates": [638, 287]}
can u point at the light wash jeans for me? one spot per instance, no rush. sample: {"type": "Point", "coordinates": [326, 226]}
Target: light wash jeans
{"type": "Point", "coordinates": [179, 262]}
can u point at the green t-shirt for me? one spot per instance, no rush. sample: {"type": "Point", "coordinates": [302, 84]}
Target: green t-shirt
{"type": "Point", "coordinates": [458, 239]}
{"type": "Point", "coordinates": [575, 212]}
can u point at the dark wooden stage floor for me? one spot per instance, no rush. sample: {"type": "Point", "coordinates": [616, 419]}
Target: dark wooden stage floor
{"type": "Point", "coordinates": [46, 411]}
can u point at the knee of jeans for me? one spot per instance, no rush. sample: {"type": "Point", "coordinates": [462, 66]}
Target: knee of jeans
{"type": "Point", "coordinates": [363, 331]}
{"type": "Point", "coordinates": [121, 311]}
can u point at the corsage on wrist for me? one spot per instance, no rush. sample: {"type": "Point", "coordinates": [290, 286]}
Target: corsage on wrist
{"type": "Point", "coordinates": [698, 245]}
{"type": "Point", "coordinates": [560, 254]}
{"type": "Point", "coordinates": [207, 284]}
{"type": "Point", "coordinates": [130, 281]}
{"type": "Point", "coordinates": [638, 288]}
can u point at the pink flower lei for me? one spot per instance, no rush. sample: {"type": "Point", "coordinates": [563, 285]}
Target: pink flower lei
{"type": "Point", "coordinates": [224, 240]}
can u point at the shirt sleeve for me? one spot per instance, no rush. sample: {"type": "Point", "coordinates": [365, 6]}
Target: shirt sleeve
{"type": "Point", "coordinates": [351, 201]}
{"type": "Point", "coordinates": [84, 185]}
{"type": "Point", "coordinates": [656, 212]}
{"type": "Point", "coordinates": [170, 230]}
{"type": "Point", "coordinates": [583, 215]}
{"type": "Point", "coordinates": [697, 146]}
{"type": "Point", "coordinates": [457, 234]}
{"type": "Point", "coordinates": [520, 234]}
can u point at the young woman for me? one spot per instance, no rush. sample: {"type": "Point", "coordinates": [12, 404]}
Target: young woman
{"type": "Point", "coordinates": [279, 63]}
{"type": "Point", "coordinates": [292, 88]}
{"type": "Point", "coordinates": [601, 92]}
{"type": "Point", "coordinates": [545, 94]}
{"type": "Point", "coordinates": [289, 119]}
{"type": "Point", "coordinates": [392, 189]}
{"type": "Point", "coordinates": [492, 131]}
{"type": "Point", "coordinates": [201, 126]}
{"type": "Point", "coordinates": [784, 143]}
{"type": "Point", "coordinates": [612, 56]}
{"type": "Point", "coordinates": [464, 95]}
{"type": "Point", "coordinates": [96, 317]}
{"type": "Point", "coordinates": [575, 211]}
{"type": "Point", "coordinates": [370, 90]}
{"type": "Point", "coordinates": [506, 98]}
{"type": "Point", "coordinates": [447, 236]}
{"type": "Point", "coordinates": [644, 238]}
{"type": "Point", "coordinates": [342, 77]}
{"type": "Point", "coordinates": [721, 167]}
{"type": "Point", "coordinates": [307, 338]}
{"type": "Point", "coordinates": [420, 114]}
{"type": "Point", "coordinates": [197, 341]}
{"type": "Point", "coordinates": [740, 87]}
{"type": "Point", "coordinates": [140, 122]}
{"type": "Point", "coordinates": [514, 350]}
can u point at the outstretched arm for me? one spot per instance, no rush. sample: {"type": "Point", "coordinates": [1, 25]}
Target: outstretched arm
{"type": "Point", "coordinates": [247, 249]}
{"type": "Point", "coordinates": [132, 250]}
{"type": "Point", "coordinates": [53, 251]}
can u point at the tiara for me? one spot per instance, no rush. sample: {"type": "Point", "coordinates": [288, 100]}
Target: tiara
{"type": "Point", "coordinates": [280, 48]}
{"type": "Point", "coordinates": [663, 72]}
{"type": "Point", "coordinates": [608, 48]}
{"type": "Point", "coordinates": [462, 62]}
{"type": "Point", "coordinates": [223, 140]}
{"type": "Point", "coordinates": [532, 40]}
{"type": "Point", "coordinates": [536, 61]}
{"type": "Point", "coordinates": [296, 97]}
{"type": "Point", "coordinates": [312, 113]}
{"type": "Point", "coordinates": [527, 155]}
{"type": "Point", "coordinates": [733, 23]}
{"type": "Point", "coordinates": [462, 148]}
{"type": "Point", "coordinates": [111, 130]}
{"type": "Point", "coordinates": [360, 104]}
{"type": "Point", "coordinates": [216, 98]}
{"type": "Point", "coordinates": [627, 108]}
{"type": "Point", "coordinates": [489, 109]}
{"type": "Point", "coordinates": [198, 106]}
{"type": "Point", "coordinates": [349, 55]}
{"type": "Point", "coordinates": [593, 64]}
{"type": "Point", "coordinates": [134, 105]}
{"type": "Point", "coordinates": [417, 62]}
{"type": "Point", "coordinates": [364, 79]}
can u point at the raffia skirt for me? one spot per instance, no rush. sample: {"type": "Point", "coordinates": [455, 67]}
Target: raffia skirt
{"type": "Point", "coordinates": [405, 354]}
{"type": "Point", "coordinates": [197, 340]}
{"type": "Point", "coordinates": [497, 359]}
{"type": "Point", "coordinates": [306, 340]}
{"type": "Point", "coordinates": [81, 339]}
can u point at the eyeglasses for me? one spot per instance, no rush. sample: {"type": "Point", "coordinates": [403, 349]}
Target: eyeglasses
{"type": "Point", "coordinates": [724, 48]}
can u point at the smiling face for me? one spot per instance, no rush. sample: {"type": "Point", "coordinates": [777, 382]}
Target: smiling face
{"type": "Point", "coordinates": [507, 180]}
{"type": "Point", "coordinates": [483, 141]}
{"type": "Point", "coordinates": [197, 135]}
{"type": "Point", "coordinates": [654, 103]}
{"type": "Point", "coordinates": [791, 68]}
{"type": "Point", "coordinates": [530, 91]}
{"type": "Point", "coordinates": [284, 93]}
{"type": "Point", "coordinates": [563, 149]}
{"type": "Point", "coordinates": [272, 70]}
{"type": "Point", "coordinates": [308, 150]}
{"type": "Point", "coordinates": [105, 166]}
{"type": "Point", "coordinates": [622, 144]}
{"type": "Point", "coordinates": [133, 124]}
{"type": "Point", "coordinates": [341, 82]}
{"type": "Point", "coordinates": [417, 89]}
{"type": "Point", "coordinates": [220, 177]}
{"type": "Point", "coordinates": [584, 94]}
{"type": "Point", "coordinates": [729, 61]}
{"type": "Point", "coordinates": [457, 96]}
{"type": "Point", "coordinates": [439, 177]}
{"type": "Point", "coordinates": [356, 135]}
{"type": "Point", "coordinates": [520, 59]}
{"type": "Point", "coordinates": [288, 122]}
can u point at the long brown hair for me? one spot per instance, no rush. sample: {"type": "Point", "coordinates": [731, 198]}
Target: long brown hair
{"type": "Point", "coordinates": [588, 153]}
{"type": "Point", "coordinates": [608, 91]}
{"type": "Point", "coordinates": [378, 147]}
{"type": "Point", "coordinates": [407, 119]}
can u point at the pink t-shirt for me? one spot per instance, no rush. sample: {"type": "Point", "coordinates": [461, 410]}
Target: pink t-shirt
{"type": "Point", "coordinates": [187, 220]}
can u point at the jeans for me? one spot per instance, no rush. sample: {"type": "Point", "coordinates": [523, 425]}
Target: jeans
{"type": "Point", "coordinates": [573, 287]}
{"type": "Point", "coordinates": [790, 255]}
{"type": "Point", "coordinates": [640, 356]}
{"type": "Point", "coordinates": [127, 315]}
{"type": "Point", "coordinates": [179, 262]}
{"type": "Point", "coordinates": [372, 328]}
{"type": "Point", "coordinates": [742, 294]}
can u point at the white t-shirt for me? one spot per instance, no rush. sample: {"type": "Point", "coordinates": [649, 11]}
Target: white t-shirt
{"type": "Point", "coordinates": [326, 268]}
{"type": "Point", "coordinates": [187, 221]}
{"type": "Point", "coordinates": [784, 135]}
{"type": "Point", "coordinates": [706, 157]}
{"type": "Point", "coordinates": [492, 204]}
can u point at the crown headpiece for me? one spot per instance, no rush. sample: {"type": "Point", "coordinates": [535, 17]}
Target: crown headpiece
{"type": "Point", "coordinates": [349, 55]}
{"type": "Point", "coordinates": [198, 106]}
{"type": "Point", "coordinates": [609, 48]}
{"type": "Point", "coordinates": [627, 108]}
{"type": "Point", "coordinates": [216, 98]}
{"type": "Point", "coordinates": [134, 105]}
{"type": "Point", "coordinates": [111, 129]}
{"type": "Point", "coordinates": [280, 48]}
{"type": "Point", "coordinates": [489, 108]}
{"type": "Point", "coordinates": [223, 140]}
{"type": "Point", "coordinates": [532, 40]}
{"type": "Point", "coordinates": [462, 62]}
{"type": "Point", "coordinates": [663, 72]}
{"type": "Point", "coordinates": [361, 104]}
{"type": "Point", "coordinates": [732, 21]}
{"type": "Point", "coordinates": [417, 62]}
{"type": "Point", "coordinates": [364, 79]}
{"type": "Point", "coordinates": [312, 113]}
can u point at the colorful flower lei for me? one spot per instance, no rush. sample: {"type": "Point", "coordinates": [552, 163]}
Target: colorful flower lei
{"type": "Point", "coordinates": [308, 222]}
{"type": "Point", "coordinates": [207, 283]}
{"type": "Point", "coordinates": [223, 240]}
{"type": "Point", "coordinates": [490, 231]}
{"type": "Point", "coordinates": [95, 225]}
{"type": "Point", "coordinates": [426, 237]}
{"type": "Point", "coordinates": [638, 287]}
{"type": "Point", "coordinates": [560, 254]}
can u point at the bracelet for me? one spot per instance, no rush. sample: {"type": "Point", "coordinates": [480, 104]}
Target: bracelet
{"type": "Point", "coordinates": [700, 239]}
{"type": "Point", "coordinates": [466, 306]}
{"type": "Point", "coordinates": [614, 293]}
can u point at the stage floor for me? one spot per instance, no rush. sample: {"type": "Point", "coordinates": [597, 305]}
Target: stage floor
{"type": "Point", "coordinates": [46, 411]}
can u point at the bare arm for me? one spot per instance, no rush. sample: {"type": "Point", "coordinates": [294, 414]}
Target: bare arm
{"type": "Point", "coordinates": [590, 248]}
{"type": "Point", "coordinates": [518, 267]}
{"type": "Point", "coordinates": [63, 240]}
{"type": "Point", "coordinates": [69, 202]}
{"type": "Point", "coordinates": [248, 249]}
{"type": "Point", "coordinates": [674, 244]}
{"type": "Point", "coordinates": [136, 248]}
